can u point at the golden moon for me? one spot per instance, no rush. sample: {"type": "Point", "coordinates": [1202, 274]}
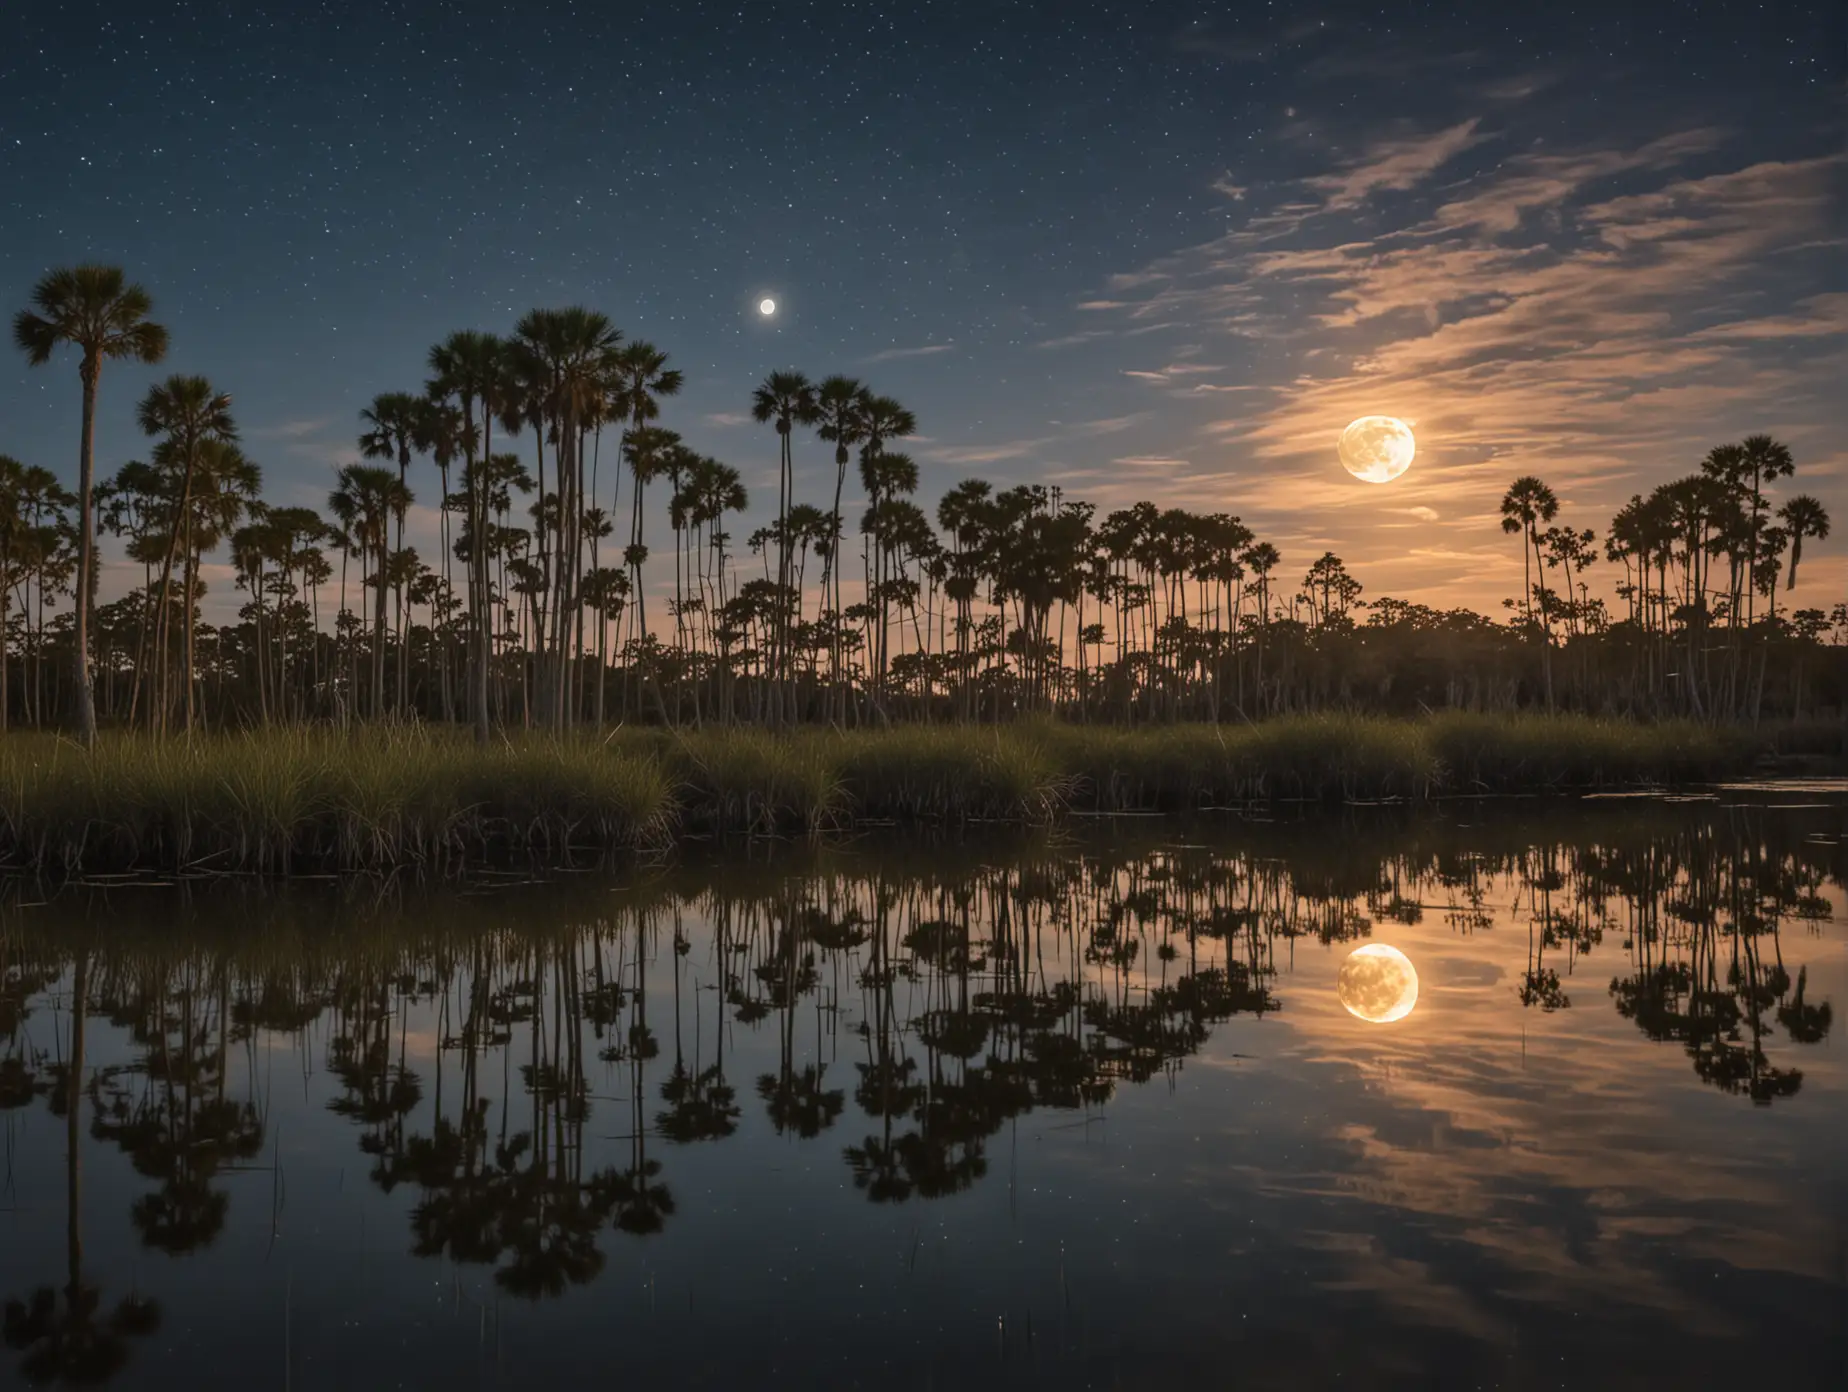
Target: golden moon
{"type": "Point", "coordinates": [1378, 984]}
{"type": "Point", "coordinates": [766, 306]}
{"type": "Point", "coordinates": [1377, 449]}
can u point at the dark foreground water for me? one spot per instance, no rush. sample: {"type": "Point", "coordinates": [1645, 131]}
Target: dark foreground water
{"type": "Point", "coordinates": [1088, 1111]}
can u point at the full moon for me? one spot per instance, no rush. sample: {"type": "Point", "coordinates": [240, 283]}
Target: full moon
{"type": "Point", "coordinates": [1377, 449]}
{"type": "Point", "coordinates": [1378, 984]}
{"type": "Point", "coordinates": [766, 307]}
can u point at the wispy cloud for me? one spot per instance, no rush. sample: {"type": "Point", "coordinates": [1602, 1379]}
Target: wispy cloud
{"type": "Point", "coordinates": [291, 429]}
{"type": "Point", "coordinates": [1600, 316]}
{"type": "Point", "coordinates": [726, 420]}
{"type": "Point", "coordinates": [987, 454]}
{"type": "Point", "coordinates": [927, 350]}
{"type": "Point", "coordinates": [1107, 425]}
{"type": "Point", "coordinates": [1073, 340]}
{"type": "Point", "coordinates": [1399, 163]}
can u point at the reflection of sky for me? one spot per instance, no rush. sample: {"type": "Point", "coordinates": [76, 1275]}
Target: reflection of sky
{"type": "Point", "coordinates": [1477, 1186]}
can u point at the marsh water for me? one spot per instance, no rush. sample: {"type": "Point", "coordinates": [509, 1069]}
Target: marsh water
{"type": "Point", "coordinates": [1080, 1109]}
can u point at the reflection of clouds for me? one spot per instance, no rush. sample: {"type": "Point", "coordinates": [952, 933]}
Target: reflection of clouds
{"type": "Point", "coordinates": [1490, 1152]}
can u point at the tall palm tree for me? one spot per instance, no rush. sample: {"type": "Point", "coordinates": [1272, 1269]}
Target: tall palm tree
{"type": "Point", "coordinates": [565, 357]}
{"type": "Point", "coordinates": [95, 310]}
{"type": "Point", "coordinates": [840, 420]}
{"type": "Point", "coordinates": [1743, 470]}
{"type": "Point", "coordinates": [364, 501]}
{"type": "Point", "coordinates": [882, 420]}
{"type": "Point", "coordinates": [472, 369]}
{"type": "Point", "coordinates": [186, 412]}
{"type": "Point", "coordinates": [1528, 503]}
{"type": "Point", "coordinates": [224, 484]}
{"type": "Point", "coordinates": [585, 348]}
{"type": "Point", "coordinates": [1802, 517]}
{"type": "Point", "coordinates": [786, 399]}
{"type": "Point", "coordinates": [639, 378]}
{"type": "Point", "coordinates": [392, 430]}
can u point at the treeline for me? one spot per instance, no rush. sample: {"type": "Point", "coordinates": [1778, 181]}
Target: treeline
{"type": "Point", "coordinates": [1007, 602]}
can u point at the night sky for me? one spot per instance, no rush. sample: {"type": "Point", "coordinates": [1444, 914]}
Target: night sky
{"type": "Point", "coordinates": [1145, 250]}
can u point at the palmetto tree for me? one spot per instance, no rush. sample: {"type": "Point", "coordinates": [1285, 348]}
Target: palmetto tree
{"type": "Point", "coordinates": [393, 422]}
{"type": "Point", "coordinates": [95, 310]}
{"type": "Point", "coordinates": [1802, 517]}
{"type": "Point", "coordinates": [186, 413]}
{"type": "Point", "coordinates": [645, 450]}
{"type": "Point", "coordinates": [785, 400]}
{"type": "Point", "coordinates": [567, 356]}
{"type": "Point", "coordinates": [1743, 470]}
{"type": "Point", "coordinates": [365, 500]}
{"type": "Point", "coordinates": [1524, 507]}
{"type": "Point", "coordinates": [225, 482]}
{"type": "Point", "coordinates": [840, 420]}
{"type": "Point", "coordinates": [882, 420]}
{"type": "Point", "coordinates": [471, 368]}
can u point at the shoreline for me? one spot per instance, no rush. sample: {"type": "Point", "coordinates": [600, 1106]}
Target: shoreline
{"type": "Point", "coordinates": [279, 802]}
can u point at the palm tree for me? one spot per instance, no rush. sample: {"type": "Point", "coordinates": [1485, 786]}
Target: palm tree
{"type": "Point", "coordinates": [840, 420]}
{"type": "Point", "coordinates": [587, 345]}
{"type": "Point", "coordinates": [566, 356]}
{"type": "Point", "coordinates": [1528, 503]}
{"type": "Point", "coordinates": [882, 420]}
{"type": "Point", "coordinates": [1802, 517]}
{"type": "Point", "coordinates": [188, 412]}
{"type": "Point", "coordinates": [225, 482]}
{"type": "Point", "coordinates": [393, 422]}
{"type": "Point", "coordinates": [364, 500]}
{"type": "Point", "coordinates": [786, 399]}
{"type": "Point", "coordinates": [95, 310]}
{"type": "Point", "coordinates": [473, 369]}
{"type": "Point", "coordinates": [1744, 469]}
{"type": "Point", "coordinates": [645, 450]}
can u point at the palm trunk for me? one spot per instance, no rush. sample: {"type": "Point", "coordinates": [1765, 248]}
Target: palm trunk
{"type": "Point", "coordinates": [381, 577]}
{"type": "Point", "coordinates": [484, 636]}
{"type": "Point", "coordinates": [86, 554]}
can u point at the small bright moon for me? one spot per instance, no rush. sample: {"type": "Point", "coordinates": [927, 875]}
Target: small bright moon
{"type": "Point", "coordinates": [1378, 984]}
{"type": "Point", "coordinates": [766, 307]}
{"type": "Point", "coordinates": [1377, 449]}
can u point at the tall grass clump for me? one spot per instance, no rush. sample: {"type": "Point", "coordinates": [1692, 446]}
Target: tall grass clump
{"type": "Point", "coordinates": [955, 774]}
{"type": "Point", "coordinates": [1504, 753]}
{"type": "Point", "coordinates": [277, 801]}
{"type": "Point", "coordinates": [754, 781]}
{"type": "Point", "coordinates": [1312, 757]}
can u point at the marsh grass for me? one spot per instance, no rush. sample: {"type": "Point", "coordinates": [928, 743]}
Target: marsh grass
{"type": "Point", "coordinates": [275, 802]}
{"type": "Point", "coordinates": [278, 801]}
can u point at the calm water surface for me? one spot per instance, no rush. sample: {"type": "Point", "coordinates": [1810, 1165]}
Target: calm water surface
{"type": "Point", "coordinates": [1082, 1111]}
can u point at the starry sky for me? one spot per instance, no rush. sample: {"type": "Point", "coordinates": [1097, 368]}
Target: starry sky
{"type": "Point", "coordinates": [1135, 250]}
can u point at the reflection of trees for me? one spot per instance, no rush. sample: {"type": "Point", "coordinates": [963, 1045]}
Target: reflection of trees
{"type": "Point", "coordinates": [472, 1064]}
{"type": "Point", "coordinates": [701, 1105]}
{"type": "Point", "coordinates": [63, 1336]}
{"type": "Point", "coordinates": [169, 1109]}
{"type": "Point", "coordinates": [22, 1065]}
{"type": "Point", "coordinates": [1703, 915]}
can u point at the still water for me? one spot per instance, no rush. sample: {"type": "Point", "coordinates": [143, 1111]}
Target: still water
{"type": "Point", "coordinates": [1118, 1107]}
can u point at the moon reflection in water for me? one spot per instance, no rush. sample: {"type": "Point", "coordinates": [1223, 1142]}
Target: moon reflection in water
{"type": "Point", "coordinates": [1378, 984]}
